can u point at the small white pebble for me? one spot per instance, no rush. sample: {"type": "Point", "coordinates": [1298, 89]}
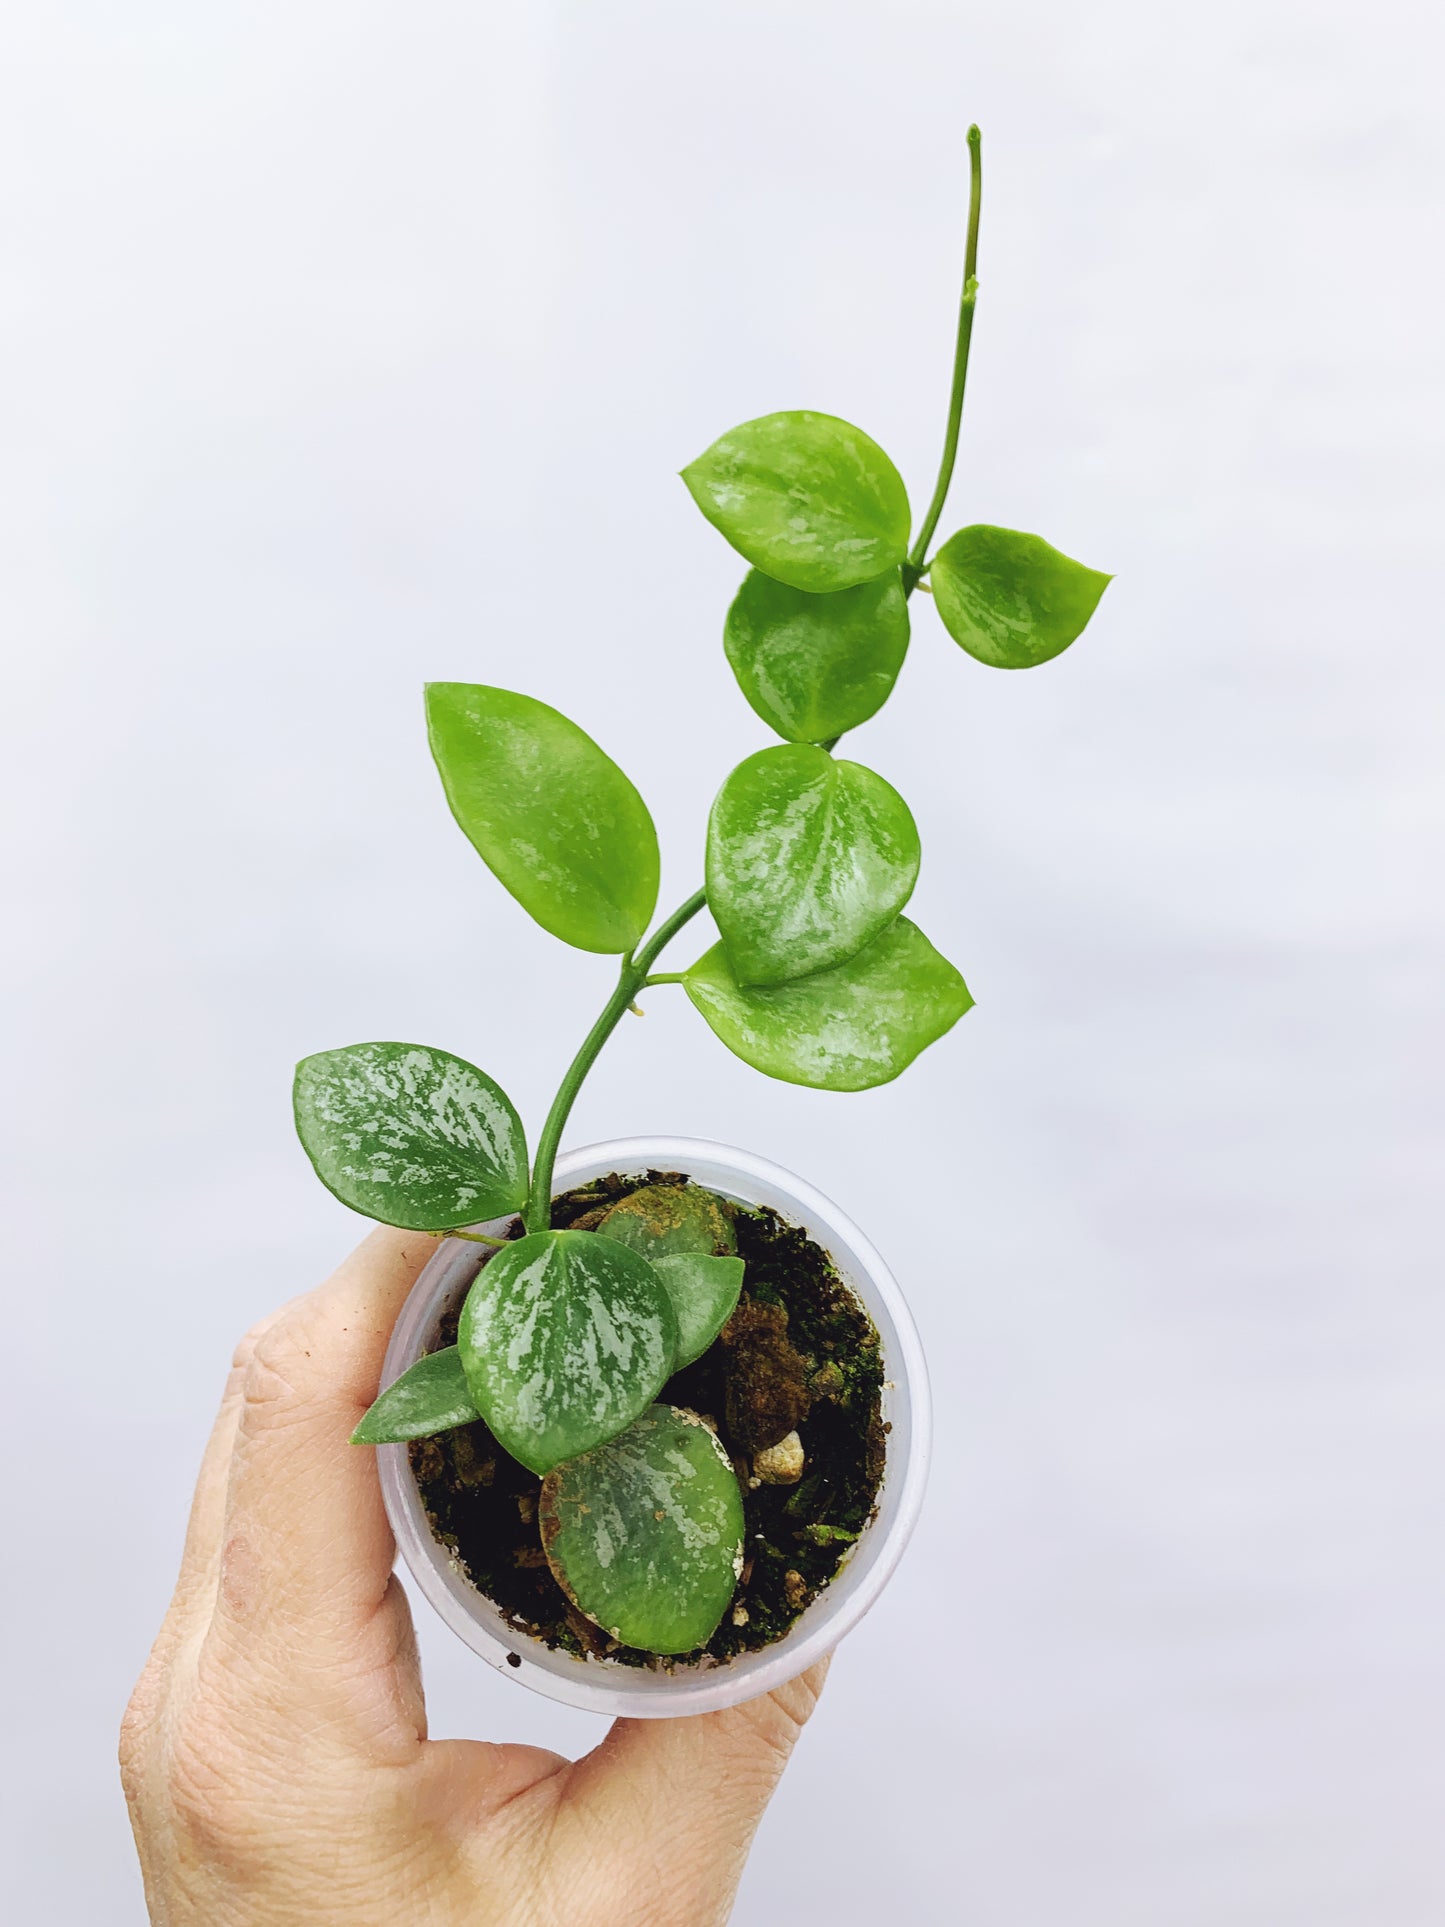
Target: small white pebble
{"type": "Point", "coordinates": [780, 1464]}
{"type": "Point", "coordinates": [740, 1615]}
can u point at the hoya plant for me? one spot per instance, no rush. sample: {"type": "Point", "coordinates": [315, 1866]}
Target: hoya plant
{"type": "Point", "coordinates": [567, 1337]}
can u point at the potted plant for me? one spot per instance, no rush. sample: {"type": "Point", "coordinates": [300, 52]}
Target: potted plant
{"type": "Point", "coordinates": [654, 1425]}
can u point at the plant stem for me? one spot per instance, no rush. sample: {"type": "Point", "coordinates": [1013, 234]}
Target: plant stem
{"type": "Point", "coordinates": [918, 555]}
{"type": "Point", "coordinates": [663, 977]}
{"type": "Point", "coordinates": [665, 932]}
{"type": "Point", "coordinates": [633, 975]}
{"type": "Point", "coordinates": [630, 979]}
{"type": "Point", "coordinates": [539, 1201]}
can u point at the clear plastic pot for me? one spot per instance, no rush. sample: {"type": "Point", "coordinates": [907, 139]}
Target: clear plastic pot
{"type": "Point", "coordinates": [600, 1685]}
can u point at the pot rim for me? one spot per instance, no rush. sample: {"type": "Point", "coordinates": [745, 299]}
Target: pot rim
{"type": "Point", "coordinates": [603, 1686]}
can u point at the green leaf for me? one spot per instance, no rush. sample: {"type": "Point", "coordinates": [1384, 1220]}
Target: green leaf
{"type": "Point", "coordinates": [661, 1219]}
{"type": "Point", "coordinates": [411, 1136]}
{"type": "Point", "coordinates": [565, 1337]}
{"type": "Point", "coordinates": [808, 860]}
{"type": "Point", "coordinates": [845, 1029]}
{"type": "Point", "coordinates": [555, 819]}
{"type": "Point", "coordinates": [645, 1534]}
{"type": "Point", "coordinates": [1009, 599]}
{"type": "Point", "coordinates": [431, 1396]}
{"type": "Point", "coordinates": [813, 666]}
{"type": "Point", "coordinates": [687, 1234]}
{"type": "Point", "coordinates": [808, 499]}
{"type": "Point", "coordinates": [704, 1293]}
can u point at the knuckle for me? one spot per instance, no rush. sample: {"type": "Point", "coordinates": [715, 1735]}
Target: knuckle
{"type": "Point", "coordinates": [243, 1360]}
{"type": "Point", "coordinates": [205, 1787]}
{"type": "Point", "coordinates": [204, 1808]}
{"type": "Point", "coordinates": [246, 1345]}
{"type": "Point", "coordinates": [269, 1378]}
{"type": "Point", "coordinates": [257, 1335]}
{"type": "Point", "coordinates": [179, 1762]}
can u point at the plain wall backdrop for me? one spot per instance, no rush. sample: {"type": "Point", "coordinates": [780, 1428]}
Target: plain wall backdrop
{"type": "Point", "coordinates": [348, 345]}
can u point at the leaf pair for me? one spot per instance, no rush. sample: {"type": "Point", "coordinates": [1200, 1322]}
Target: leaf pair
{"type": "Point", "coordinates": [818, 631]}
{"type": "Point", "coordinates": [818, 979]}
{"type": "Point", "coordinates": [686, 1234]}
{"type": "Point", "coordinates": [566, 1336]}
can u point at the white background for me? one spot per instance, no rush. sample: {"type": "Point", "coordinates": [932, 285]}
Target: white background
{"type": "Point", "coordinates": [347, 345]}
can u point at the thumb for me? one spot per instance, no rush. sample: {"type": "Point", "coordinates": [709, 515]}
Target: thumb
{"type": "Point", "coordinates": [306, 1605]}
{"type": "Point", "coordinates": [689, 1793]}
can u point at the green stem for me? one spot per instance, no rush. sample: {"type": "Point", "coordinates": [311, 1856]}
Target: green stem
{"type": "Point", "coordinates": [663, 977]}
{"type": "Point", "coordinates": [918, 555]}
{"type": "Point", "coordinates": [630, 979]}
{"type": "Point", "coordinates": [665, 932]}
{"type": "Point", "coordinates": [633, 975]}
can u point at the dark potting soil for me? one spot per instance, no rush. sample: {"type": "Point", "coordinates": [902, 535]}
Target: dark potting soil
{"type": "Point", "coordinates": [799, 1353]}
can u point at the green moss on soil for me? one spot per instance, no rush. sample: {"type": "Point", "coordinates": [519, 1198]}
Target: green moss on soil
{"type": "Point", "coordinates": [799, 1352]}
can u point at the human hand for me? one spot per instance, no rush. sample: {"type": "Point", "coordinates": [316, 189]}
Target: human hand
{"type": "Point", "coordinates": [274, 1753]}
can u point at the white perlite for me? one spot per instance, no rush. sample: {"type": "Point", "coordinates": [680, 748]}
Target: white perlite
{"type": "Point", "coordinates": [780, 1464]}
